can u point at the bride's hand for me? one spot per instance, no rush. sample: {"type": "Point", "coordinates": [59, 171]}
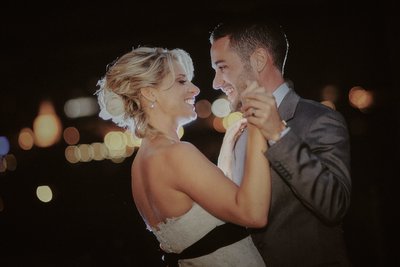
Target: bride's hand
{"type": "Point", "coordinates": [226, 153]}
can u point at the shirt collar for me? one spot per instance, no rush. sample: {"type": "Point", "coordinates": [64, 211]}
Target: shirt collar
{"type": "Point", "coordinates": [280, 93]}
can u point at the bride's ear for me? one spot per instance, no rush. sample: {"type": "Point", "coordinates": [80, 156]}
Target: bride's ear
{"type": "Point", "coordinates": [148, 93]}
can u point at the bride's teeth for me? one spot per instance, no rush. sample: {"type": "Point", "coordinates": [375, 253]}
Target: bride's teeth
{"type": "Point", "coordinates": [190, 101]}
{"type": "Point", "coordinates": [229, 91]}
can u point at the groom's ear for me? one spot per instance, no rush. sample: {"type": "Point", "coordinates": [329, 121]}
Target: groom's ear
{"type": "Point", "coordinates": [259, 59]}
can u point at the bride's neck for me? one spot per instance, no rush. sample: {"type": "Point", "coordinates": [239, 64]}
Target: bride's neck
{"type": "Point", "coordinates": [165, 129]}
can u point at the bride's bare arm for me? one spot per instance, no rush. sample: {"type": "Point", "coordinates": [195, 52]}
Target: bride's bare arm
{"type": "Point", "coordinates": [255, 190]}
{"type": "Point", "coordinates": [193, 174]}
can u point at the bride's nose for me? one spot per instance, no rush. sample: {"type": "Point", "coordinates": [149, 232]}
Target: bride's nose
{"type": "Point", "coordinates": [194, 90]}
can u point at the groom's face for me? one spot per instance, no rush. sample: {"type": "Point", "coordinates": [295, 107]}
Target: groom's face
{"type": "Point", "coordinates": [230, 71]}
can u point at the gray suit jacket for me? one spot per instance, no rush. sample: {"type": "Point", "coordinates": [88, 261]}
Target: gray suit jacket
{"type": "Point", "coordinates": [311, 187]}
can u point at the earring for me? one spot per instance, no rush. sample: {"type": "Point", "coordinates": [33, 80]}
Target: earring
{"type": "Point", "coordinates": [152, 105]}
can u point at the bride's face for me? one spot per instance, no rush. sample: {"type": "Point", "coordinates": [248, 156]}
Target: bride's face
{"type": "Point", "coordinates": [176, 96]}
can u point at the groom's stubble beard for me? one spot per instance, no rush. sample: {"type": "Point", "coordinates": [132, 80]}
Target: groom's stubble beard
{"type": "Point", "coordinates": [245, 75]}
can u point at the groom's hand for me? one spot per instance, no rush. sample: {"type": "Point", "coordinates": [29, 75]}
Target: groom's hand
{"type": "Point", "coordinates": [260, 109]}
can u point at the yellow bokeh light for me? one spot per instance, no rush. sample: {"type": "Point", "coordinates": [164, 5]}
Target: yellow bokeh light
{"type": "Point", "coordinates": [47, 126]}
{"type": "Point", "coordinates": [44, 193]}
{"type": "Point", "coordinates": [117, 153]}
{"type": "Point", "coordinates": [115, 140]}
{"type": "Point", "coordinates": [231, 119]}
{"type": "Point", "coordinates": [129, 138]}
{"type": "Point", "coordinates": [132, 140]}
{"type": "Point", "coordinates": [181, 132]}
{"type": "Point", "coordinates": [118, 159]}
{"type": "Point", "coordinates": [86, 152]}
{"type": "Point", "coordinates": [129, 151]}
{"type": "Point", "coordinates": [137, 141]}
{"type": "Point", "coordinates": [99, 151]}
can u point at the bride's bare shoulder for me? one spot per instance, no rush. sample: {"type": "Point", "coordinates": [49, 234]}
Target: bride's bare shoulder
{"type": "Point", "coordinates": [180, 149]}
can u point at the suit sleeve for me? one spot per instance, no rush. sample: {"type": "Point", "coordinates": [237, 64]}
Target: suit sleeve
{"type": "Point", "coordinates": [316, 167]}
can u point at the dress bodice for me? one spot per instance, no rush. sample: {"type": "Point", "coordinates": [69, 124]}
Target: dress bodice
{"type": "Point", "coordinates": [176, 234]}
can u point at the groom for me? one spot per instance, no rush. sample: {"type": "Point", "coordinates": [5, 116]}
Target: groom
{"type": "Point", "coordinates": [309, 148]}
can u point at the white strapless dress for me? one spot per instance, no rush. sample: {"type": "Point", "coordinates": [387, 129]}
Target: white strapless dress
{"type": "Point", "coordinates": [176, 234]}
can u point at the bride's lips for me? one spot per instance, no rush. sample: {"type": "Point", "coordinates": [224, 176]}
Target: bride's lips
{"type": "Point", "coordinates": [191, 101]}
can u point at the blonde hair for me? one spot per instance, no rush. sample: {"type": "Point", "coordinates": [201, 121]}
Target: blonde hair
{"type": "Point", "coordinates": [119, 90]}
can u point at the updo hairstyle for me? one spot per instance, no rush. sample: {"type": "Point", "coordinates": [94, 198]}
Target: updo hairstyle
{"type": "Point", "coordinates": [119, 90]}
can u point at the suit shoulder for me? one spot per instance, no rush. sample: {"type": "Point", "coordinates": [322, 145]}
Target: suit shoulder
{"type": "Point", "coordinates": [314, 109]}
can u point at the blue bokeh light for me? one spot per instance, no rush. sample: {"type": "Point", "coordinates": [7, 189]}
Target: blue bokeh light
{"type": "Point", "coordinates": [4, 146]}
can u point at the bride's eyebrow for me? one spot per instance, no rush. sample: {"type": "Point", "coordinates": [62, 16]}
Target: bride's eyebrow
{"type": "Point", "coordinates": [181, 75]}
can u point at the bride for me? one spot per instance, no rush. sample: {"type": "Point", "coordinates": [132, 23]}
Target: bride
{"type": "Point", "coordinates": [196, 212]}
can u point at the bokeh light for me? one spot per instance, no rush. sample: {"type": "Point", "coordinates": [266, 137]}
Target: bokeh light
{"type": "Point", "coordinates": [8, 162]}
{"type": "Point", "coordinates": [117, 159]}
{"type": "Point", "coordinates": [71, 135]}
{"type": "Point", "coordinates": [120, 145]}
{"type": "Point", "coordinates": [44, 193]}
{"type": "Point", "coordinates": [99, 151]}
{"type": "Point", "coordinates": [181, 132]}
{"type": "Point", "coordinates": [129, 151]}
{"type": "Point", "coordinates": [72, 154]}
{"type": "Point", "coordinates": [129, 138]}
{"type": "Point", "coordinates": [360, 98]}
{"type": "Point", "coordinates": [4, 146]}
{"type": "Point", "coordinates": [329, 103]}
{"type": "Point", "coordinates": [115, 140]}
{"type": "Point", "coordinates": [11, 162]}
{"type": "Point", "coordinates": [26, 139]}
{"type": "Point", "coordinates": [86, 152]}
{"type": "Point", "coordinates": [116, 147]}
{"type": "Point", "coordinates": [81, 107]}
{"type": "Point", "coordinates": [221, 107]}
{"type": "Point", "coordinates": [116, 153]}
{"type": "Point", "coordinates": [136, 141]}
{"type": "Point", "coordinates": [231, 119]}
{"type": "Point", "coordinates": [47, 126]}
{"type": "Point", "coordinates": [203, 108]}
{"type": "Point", "coordinates": [330, 93]}
{"type": "Point", "coordinates": [218, 125]}
{"type": "Point", "coordinates": [3, 165]}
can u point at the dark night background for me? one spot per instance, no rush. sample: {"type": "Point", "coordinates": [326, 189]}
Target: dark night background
{"type": "Point", "coordinates": [59, 50]}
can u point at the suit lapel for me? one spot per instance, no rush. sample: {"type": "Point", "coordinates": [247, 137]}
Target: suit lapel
{"type": "Point", "coordinates": [288, 106]}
